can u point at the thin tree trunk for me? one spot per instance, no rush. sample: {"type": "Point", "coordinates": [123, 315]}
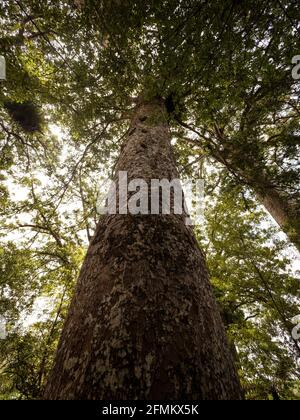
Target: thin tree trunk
{"type": "Point", "coordinates": [284, 210]}
{"type": "Point", "coordinates": [143, 323]}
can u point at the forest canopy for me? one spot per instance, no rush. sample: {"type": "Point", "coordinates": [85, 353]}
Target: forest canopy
{"type": "Point", "coordinates": [75, 70]}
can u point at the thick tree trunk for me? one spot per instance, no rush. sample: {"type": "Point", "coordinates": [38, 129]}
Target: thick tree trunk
{"type": "Point", "coordinates": [143, 323]}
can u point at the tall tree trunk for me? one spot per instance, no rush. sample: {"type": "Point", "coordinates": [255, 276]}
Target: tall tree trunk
{"type": "Point", "coordinates": [143, 323]}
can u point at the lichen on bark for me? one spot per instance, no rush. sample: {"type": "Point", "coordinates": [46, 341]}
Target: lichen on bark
{"type": "Point", "coordinates": [143, 323]}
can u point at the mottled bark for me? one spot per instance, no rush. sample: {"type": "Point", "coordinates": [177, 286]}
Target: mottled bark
{"type": "Point", "coordinates": [143, 323]}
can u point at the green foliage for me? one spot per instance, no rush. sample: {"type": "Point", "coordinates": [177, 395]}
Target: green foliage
{"type": "Point", "coordinates": [226, 65]}
{"type": "Point", "coordinates": [257, 292]}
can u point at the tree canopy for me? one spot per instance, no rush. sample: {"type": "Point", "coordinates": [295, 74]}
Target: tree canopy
{"type": "Point", "coordinates": [75, 69]}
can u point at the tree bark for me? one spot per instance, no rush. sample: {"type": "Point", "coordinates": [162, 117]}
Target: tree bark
{"type": "Point", "coordinates": [143, 323]}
